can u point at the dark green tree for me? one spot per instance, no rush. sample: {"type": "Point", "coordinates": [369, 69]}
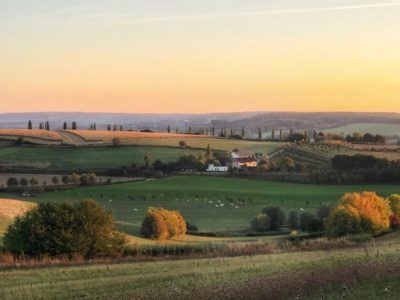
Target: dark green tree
{"type": "Point", "coordinates": [29, 124]}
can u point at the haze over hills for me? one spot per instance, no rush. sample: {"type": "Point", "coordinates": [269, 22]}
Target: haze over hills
{"type": "Point", "coordinates": [250, 120]}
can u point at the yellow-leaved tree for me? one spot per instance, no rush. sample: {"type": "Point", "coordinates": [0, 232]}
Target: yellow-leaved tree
{"type": "Point", "coordinates": [359, 213]}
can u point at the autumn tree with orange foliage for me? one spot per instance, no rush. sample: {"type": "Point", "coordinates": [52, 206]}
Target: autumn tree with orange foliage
{"type": "Point", "coordinates": [161, 224]}
{"type": "Point", "coordinates": [359, 213]}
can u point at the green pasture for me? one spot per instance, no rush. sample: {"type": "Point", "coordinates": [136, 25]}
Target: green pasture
{"type": "Point", "coordinates": [215, 143]}
{"type": "Point", "coordinates": [212, 203]}
{"type": "Point", "coordinates": [93, 158]}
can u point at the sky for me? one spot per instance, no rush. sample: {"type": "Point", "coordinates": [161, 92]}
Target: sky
{"type": "Point", "coordinates": [186, 56]}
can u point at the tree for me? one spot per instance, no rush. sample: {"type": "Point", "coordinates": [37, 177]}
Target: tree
{"type": "Point", "coordinates": [169, 129]}
{"type": "Point", "coordinates": [66, 179]}
{"type": "Point", "coordinates": [75, 178]}
{"type": "Point", "coordinates": [116, 142]}
{"type": "Point", "coordinates": [342, 222]}
{"type": "Point", "coordinates": [115, 127]}
{"type": "Point", "coordinates": [65, 126]}
{"type": "Point", "coordinates": [276, 216]}
{"type": "Point", "coordinates": [273, 134]}
{"type": "Point", "coordinates": [23, 181]}
{"type": "Point", "coordinates": [293, 220]}
{"type": "Point", "coordinates": [29, 124]}
{"type": "Point", "coordinates": [74, 125]}
{"type": "Point", "coordinates": [287, 164]}
{"type": "Point", "coordinates": [147, 161]}
{"type": "Point", "coordinates": [108, 127]}
{"type": "Point", "coordinates": [121, 128]}
{"type": "Point", "coordinates": [259, 134]}
{"type": "Point", "coordinates": [190, 130]}
{"type": "Point", "coordinates": [12, 182]}
{"type": "Point", "coordinates": [182, 144]}
{"type": "Point", "coordinates": [94, 127]}
{"type": "Point", "coordinates": [65, 229]}
{"type": "Point", "coordinates": [213, 131]}
{"type": "Point", "coordinates": [370, 211]}
{"type": "Point", "coordinates": [305, 218]}
{"type": "Point", "coordinates": [243, 132]}
{"type": "Point", "coordinates": [33, 181]}
{"type": "Point", "coordinates": [161, 224]}
{"type": "Point", "coordinates": [208, 153]}
{"type": "Point", "coordinates": [47, 125]}
{"type": "Point", "coordinates": [394, 202]}
{"type": "Point", "coordinates": [41, 126]}
{"type": "Point", "coordinates": [261, 223]}
{"type": "Point", "coordinates": [323, 212]}
{"type": "Point", "coordinates": [281, 134]}
{"type": "Point", "coordinates": [54, 180]}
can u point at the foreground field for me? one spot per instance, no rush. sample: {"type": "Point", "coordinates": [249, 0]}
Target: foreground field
{"type": "Point", "coordinates": [212, 203]}
{"type": "Point", "coordinates": [9, 209]}
{"type": "Point", "coordinates": [95, 158]}
{"type": "Point", "coordinates": [276, 276]}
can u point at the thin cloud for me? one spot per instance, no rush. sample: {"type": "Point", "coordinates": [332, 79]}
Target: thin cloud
{"type": "Point", "coordinates": [261, 13]}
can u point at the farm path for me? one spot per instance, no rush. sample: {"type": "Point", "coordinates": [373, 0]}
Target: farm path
{"type": "Point", "coordinates": [71, 138]}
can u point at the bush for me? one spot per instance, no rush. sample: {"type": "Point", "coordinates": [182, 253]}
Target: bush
{"type": "Point", "coordinates": [394, 221]}
{"type": "Point", "coordinates": [160, 224]}
{"type": "Point", "coordinates": [293, 220]}
{"type": "Point", "coordinates": [324, 211]}
{"type": "Point", "coordinates": [305, 218]}
{"type": "Point", "coordinates": [12, 181]}
{"type": "Point", "coordinates": [394, 202]}
{"type": "Point", "coordinates": [342, 222]}
{"type": "Point", "coordinates": [315, 225]}
{"type": "Point", "coordinates": [368, 210]}
{"type": "Point", "coordinates": [23, 181]}
{"type": "Point", "coordinates": [191, 227]}
{"type": "Point", "coordinates": [276, 215]}
{"type": "Point", "coordinates": [261, 223]}
{"type": "Point", "coordinates": [54, 229]}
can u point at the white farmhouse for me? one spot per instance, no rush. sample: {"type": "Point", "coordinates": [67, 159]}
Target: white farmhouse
{"type": "Point", "coordinates": [213, 168]}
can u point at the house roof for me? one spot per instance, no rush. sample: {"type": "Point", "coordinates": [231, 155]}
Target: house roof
{"type": "Point", "coordinates": [244, 159]}
{"type": "Point", "coordinates": [241, 154]}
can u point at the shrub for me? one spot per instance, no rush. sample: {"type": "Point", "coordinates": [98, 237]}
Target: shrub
{"type": "Point", "coordinates": [191, 227]}
{"type": "Point", "coordinates": [33, 181]}
{"type": "Point", "coordinates": [261, 223]}
{"type": "Point", "coordinates": [315, 225]}
{"type": "Point", "coordinates": [394, 202]}
{"type": "Point", "coordinates": [368, 210]}
{"type": "Point", "coordinates": [160, 224]}
{"type": "Point", "coordinates": [373, 211]}
{"type": "Point", "coordinates": [276, 215]}
{"type": "Point", "coordinates": [324, 211]}
{"type": "Point", "coordinates": [342, 222]}
{"type": "Point", "coordinates": [54, 180]}
{"type": "Point", "coordinates": [305, 218]}
{"type": "Point", "coordinates": [54, 229]}
{"type": "Point", "coordinates": [12, 181]}
{"type": "Point", "coordinates": [394, 221]}
{"type": "Point", "coordinates": [293, 220]}
{"type": "Point", "coordinates": [23, 181]}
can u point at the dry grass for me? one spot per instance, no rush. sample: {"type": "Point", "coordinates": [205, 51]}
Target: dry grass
{"type": "Point", "coordinates": [90, 135]}
{"type": "Point", "coordinates": [9, 209]}
{"type": "Point", "coordinates": [14, 134]}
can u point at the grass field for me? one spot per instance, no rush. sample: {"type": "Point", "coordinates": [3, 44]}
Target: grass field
{"type": "Point", "coordinates": [212, 203]}
{"type": "Point", "coordinates": [373, 128]}
{"type": "Point", "coordinates": [284, 276]}
{"type": "Point", "coordinates": [93, 158]}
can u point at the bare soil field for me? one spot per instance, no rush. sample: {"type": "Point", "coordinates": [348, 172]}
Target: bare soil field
{"type": "Point", "coordinates": [35, 136]}
{"type": "Point", "coordinates": [9, 209]}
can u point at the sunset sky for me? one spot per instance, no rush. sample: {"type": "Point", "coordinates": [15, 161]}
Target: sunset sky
{"type": "Point", "coordinates": [199, 56]}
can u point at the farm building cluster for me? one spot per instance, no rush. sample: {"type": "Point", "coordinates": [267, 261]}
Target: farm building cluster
{"type": "Point", "coordinates": [239, 160]}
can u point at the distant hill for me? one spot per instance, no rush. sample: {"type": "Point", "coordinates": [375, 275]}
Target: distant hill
{"type": "Point", "coordinates": [250, 120]}
{"type": "Point", "coordinates": [307, 121]}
